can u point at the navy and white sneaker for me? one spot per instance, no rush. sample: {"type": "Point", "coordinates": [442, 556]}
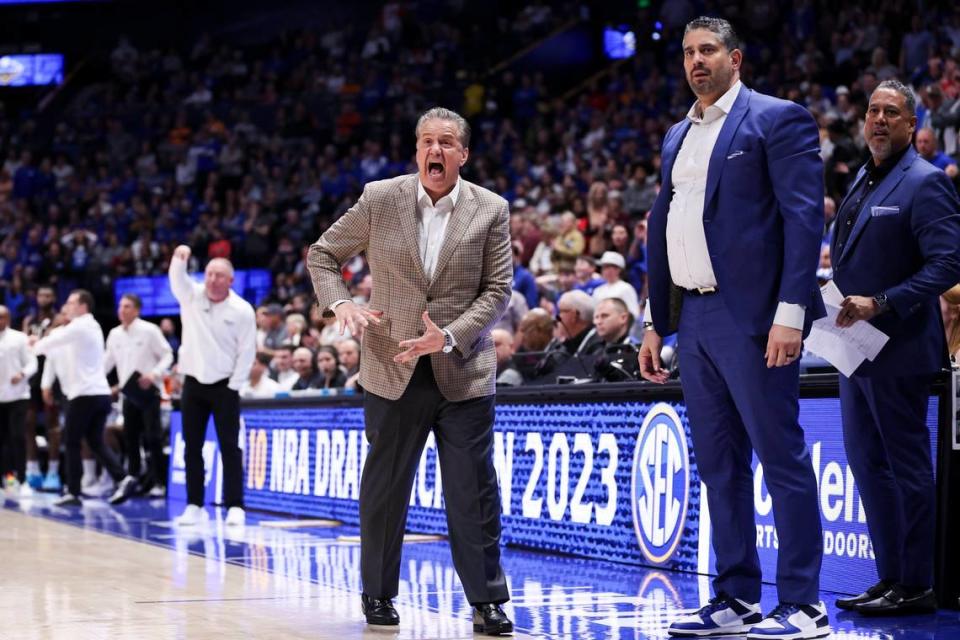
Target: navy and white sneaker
{"type": "Point", "coordinates": [723, 616]}
{"type": "Point", "coordinates": [793, 622]}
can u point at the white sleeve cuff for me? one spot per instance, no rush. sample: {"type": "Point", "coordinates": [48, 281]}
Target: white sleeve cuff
{"type": "Point", "coordinates": [453, 339]}
{"type": "Point", "coordinates": [790, 315]}
{"type": "Point", "coordinates": [338, 303]}
{"type": "Point", "coordinates": [647, 314]}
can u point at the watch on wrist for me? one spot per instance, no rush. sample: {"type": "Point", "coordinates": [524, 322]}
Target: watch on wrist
{"type": "Point", "coordinates": [447, 342]}
{"type": "Point", "coordinates": [882, 303]}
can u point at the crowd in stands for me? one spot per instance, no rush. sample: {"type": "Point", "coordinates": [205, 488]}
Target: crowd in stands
{"type": "Point", "coordinates": [250, 152]}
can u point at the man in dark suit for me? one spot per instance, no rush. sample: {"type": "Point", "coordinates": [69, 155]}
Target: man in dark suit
{"type": "Point", "coordinates": [896, 249]}
{"type": "Point", "coordinates": [439, 254]}
{"type": "Point", "coordinates": [734, 243]}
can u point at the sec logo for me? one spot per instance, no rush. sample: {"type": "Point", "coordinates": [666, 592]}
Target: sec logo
{"type": "Point", "coordinates": [660, 483]}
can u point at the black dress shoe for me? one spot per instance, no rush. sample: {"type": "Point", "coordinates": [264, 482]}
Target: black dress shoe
{"type": "Point", "coordinates": [897, 601]}
{"type": "Point", "coordinates": [873, 592]}
{"type": "Point", "coordinates": [379, 611]}
{"type": "Point", "coordinates": [490, 619]}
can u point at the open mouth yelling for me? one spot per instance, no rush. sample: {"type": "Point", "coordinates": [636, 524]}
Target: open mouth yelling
{"type": "Point", "coordinates": [435, 169]}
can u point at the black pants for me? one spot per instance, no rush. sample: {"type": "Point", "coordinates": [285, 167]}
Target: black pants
{"type": "Point", "coordinates": [142, 424]}
{"type": "Point", "coordinates": [397, 431]}
{"type": "Point", "coordinates": [197, 402]}
{"type": "Point", "coordinates": [13, 418]}
{"type": "Point", "coordinates": [85, 418]}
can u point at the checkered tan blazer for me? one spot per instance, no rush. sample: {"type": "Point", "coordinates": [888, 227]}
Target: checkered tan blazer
{"type": "Point", "coordinates": [468, 293]}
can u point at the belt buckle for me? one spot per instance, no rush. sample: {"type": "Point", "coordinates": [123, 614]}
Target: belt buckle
{"type": "Point", "coordinates": [705, 290]}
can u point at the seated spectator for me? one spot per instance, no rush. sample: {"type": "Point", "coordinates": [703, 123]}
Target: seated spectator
{"type": "Point", "coordinates": [927, 148]}
{"type": "Point", "coordinates": [348, 355]}
{"type": "Point", "coordinates": [612, 266]}
{"type": "Point", "coordinates": [569, 243]}
{"type": "Point", "coordinates": [541, 263]}
{"type": "Point", "coordinates": [271, 332]}
{"type": "Point", "coordinates": [507, 374]}
{"type": "Point", "coordinates": [618, 359]}
{"type": "Point", "coordinates": [260, 385]}
{"type": "Point", "coordinates": [306, 370]}
{"type": "Point", "coordinates": [575, 318]}
{"type": "Point", "coordinates": [587, 278]}
{"type": "Point", "coordinates": [613, 321]}
{"type": "Point", "coordinates": [282, 369]}
{"type": "Point", "coordinates": [329, 374]}
{"type": "Point", "coordinates": [536, 330]}
{"type": "Point", "coordinates": [296, 328]}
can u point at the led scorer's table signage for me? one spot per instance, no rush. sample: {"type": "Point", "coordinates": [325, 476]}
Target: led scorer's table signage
{"type": "Point", "coordinates": [610, 480]}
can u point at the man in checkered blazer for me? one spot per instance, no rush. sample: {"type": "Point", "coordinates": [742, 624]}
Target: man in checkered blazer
{"type": "Point", "coordinates": [439, 254]}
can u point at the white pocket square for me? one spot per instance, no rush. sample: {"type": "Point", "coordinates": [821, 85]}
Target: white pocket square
{"type": "Point", "coordinates": [876, 212]}
{"type": "Point", "coordinates": [735, 154]}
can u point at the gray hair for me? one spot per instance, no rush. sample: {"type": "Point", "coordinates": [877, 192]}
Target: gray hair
{"type": "Point", "coordinates": [719, 26]}
{"type": "Point", "coordinates": [902, 89]}
{"type": "Point", "coordinates": [441, 113]}
{"type": "Point", "coordinates": [581, 301]}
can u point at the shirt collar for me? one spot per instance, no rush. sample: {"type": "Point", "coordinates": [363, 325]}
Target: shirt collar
{"type": "Point", "coordinates": [453, 195]}
{"type": "Point", "coordinates": [724, 105]}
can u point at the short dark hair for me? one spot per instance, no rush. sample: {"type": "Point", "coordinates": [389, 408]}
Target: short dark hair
{"type": "Point", "coordinates": [719, 26]}
{"type": "Point", "coordinates": [85, 298]}
{"type": "Point", "coordinates": [902, 89]}
{"type": "Point", "coordinates": [264, 358]}
{"type": "Point", "coordinates": [134, 298]}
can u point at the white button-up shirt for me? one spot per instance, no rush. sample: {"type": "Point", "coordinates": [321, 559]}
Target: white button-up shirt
{"type": "Point", "coordinates": [15, 357]}
{"type": "Point", "coordinates": [219, 338]}
{"type": "Point", "coordinates": [687, 251]}
{"type": "Point", "coordinates": [432, 221]}
{"type": "Point", "coordinates": [139, 347]}
{"type": "Point", "coordinates": [79, 348]}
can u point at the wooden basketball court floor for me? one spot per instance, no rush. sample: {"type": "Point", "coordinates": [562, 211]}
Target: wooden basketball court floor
{"type": "Point", "coordinates": [106, 573]}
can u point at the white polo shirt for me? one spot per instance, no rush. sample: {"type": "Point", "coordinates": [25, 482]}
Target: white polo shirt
{"type": "Point", "coordinates": [219, 338]}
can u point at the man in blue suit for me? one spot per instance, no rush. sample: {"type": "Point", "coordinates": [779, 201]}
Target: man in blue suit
{"type": "Point", "coordinates": [734, 243]}
{"type": "Point", "coordinates": [896, 248]}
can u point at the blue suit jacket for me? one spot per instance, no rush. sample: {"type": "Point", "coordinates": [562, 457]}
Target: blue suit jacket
{"type": "Point", "coordinates": [908, 248]}
{"type": "Point", "coordinates": [763, 213]}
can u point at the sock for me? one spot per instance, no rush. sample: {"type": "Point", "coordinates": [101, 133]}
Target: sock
{"type": "Point", "coordinates": [54, 467]}
{"type": "Point", "coordinates": [90, 468]}
{"type": "Point", "coordinates": [33, 467]}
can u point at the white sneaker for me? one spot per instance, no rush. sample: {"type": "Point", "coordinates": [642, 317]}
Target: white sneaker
{"type": "Point", "coordinates": [126, 488]}
{"type": "Point", "coordinates": [724, 615]}
{"type": "Point", "coordinates": [192, 516]}
{"type": "Point", "coordinates": [793, 622]}
{"type": "Point", "coordinates": [236, 517]}
{"type": "Point", "coordinates": [26, 490]}
{"type": "Point", "coordinates": [158, 491]}
{"type": "Point", "coordinates": [87, 482]}
{"type": "Point", "coordinates": [105, 486]}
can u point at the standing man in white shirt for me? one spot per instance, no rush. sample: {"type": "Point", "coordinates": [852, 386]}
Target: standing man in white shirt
{"type": "Point", "coordinates": [80, 345]}
{"type": "Point", "coordinates": [17, 364]}
{"type": "Point", "coordinates": [218, 349]}
{"type": "Point", "coordinates": [137, 348]}
{"type": "Point", "coordinates": [733, 248]}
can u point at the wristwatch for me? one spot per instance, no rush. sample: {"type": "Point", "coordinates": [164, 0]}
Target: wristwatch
{"type": "Point", "coordinates": [447, 341]}
{"type": "Point", "coordinates": [882, 303]}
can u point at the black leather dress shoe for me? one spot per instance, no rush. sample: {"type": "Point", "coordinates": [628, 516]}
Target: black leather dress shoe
{"type": "Point", "coordinates": [379, 611]}
{"type": "Point", "coordinates": [897, 602]}
{"type": "Point", "coordinates": [490, 619]}
{"type": "Point", "coordinates": [873, 592]}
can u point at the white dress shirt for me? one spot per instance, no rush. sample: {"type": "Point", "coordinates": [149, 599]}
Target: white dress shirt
{"type": "Point", "coordinates": [687, 251]}
{"type": "Point", "coordinates": [79, 348]}
{"type": "Point", "coordinates": [432, 221]}
{"type": "Point", "coordinates": [15, 357]}
{"type": "Point", "coordinates": [140, 347]}
{"type": "Point", "coordinates": [219, 338]}
{"type": "Point", "coordinates": [265, 388]}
